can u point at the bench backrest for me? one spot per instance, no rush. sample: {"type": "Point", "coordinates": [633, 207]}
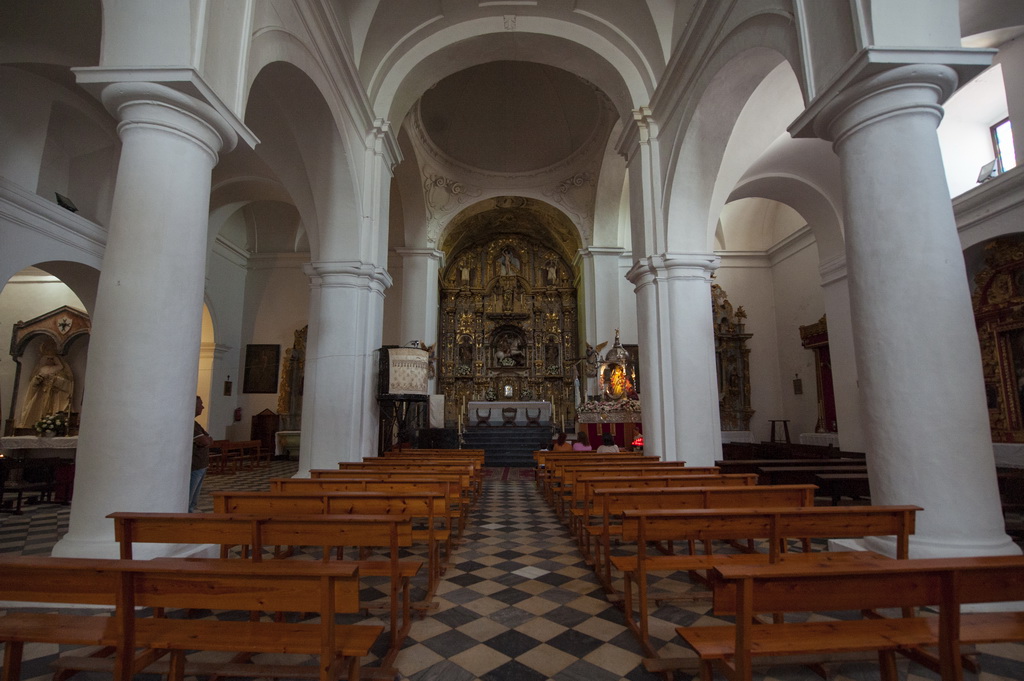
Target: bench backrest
{"type": "Point", "coordinates": [586, 485]}
{"type": "Point", "coordinates": [464, 479]}
{"type": "Point", "coordinates": [415, 504]}
{"type": "Point", "coordinates": [773, 524]}
{"type": "Point", "coordinates": [614, 502]}
{"type": "Point", "coordinates": [306, 485]}
{"type": "Point", "coordinates": [257, 531]}
{"type": "Point", "coordinates": [790, 587]}
{"type": "Point", "coordinates": [286, 586]}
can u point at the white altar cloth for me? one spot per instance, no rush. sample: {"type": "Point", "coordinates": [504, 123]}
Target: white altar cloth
{"type": "Point", "coordinates": [496, 418]}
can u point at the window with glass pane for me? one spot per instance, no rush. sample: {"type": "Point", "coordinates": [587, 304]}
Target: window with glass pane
{"type": "Point", "coordinates": [1002, 138]}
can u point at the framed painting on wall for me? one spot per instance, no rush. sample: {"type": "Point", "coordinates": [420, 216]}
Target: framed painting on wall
{"type": "Point", "coordinates": [261, 368]}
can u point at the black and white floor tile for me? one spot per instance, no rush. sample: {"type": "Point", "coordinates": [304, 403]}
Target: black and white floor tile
{"type": "Point", "coordinates": [518, 603]}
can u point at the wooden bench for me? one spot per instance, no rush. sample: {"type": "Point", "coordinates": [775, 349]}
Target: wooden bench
{"type": "Point", "coordinates": [447, 488]}
{"type": "Point", "coordinates": [166, 583]}
{"type": "Point", "coordinates": [400, 464]}
{"type": "Point", "coordinates": [236, 455]}
{"type": "Point", "coordinates": [582, 512]}
{"type": "Point", "coordinates": [546, 460]}
{"type": "Point", "coordinates": [773, 525]}
{"type": "Point", "coordinates": [582, 502]}
{"type": "Point", "coordinates": [430, 509]}
{"type": "Point", "coordinates": [252, 533]}
{"type": "Point", "coordinates": [855, 485]}
{"type": "Point", "coordinates": [462, 483]}
{"type": "Point", "coordinates": [949, 583]}
{"type": "Point", "coordinates": [803, 474]}
{"type": "Point", "coordinates": [564, 490]}
{"type": "Point", "coordinates": [32, 479]}
{"type": "Point", "coordinates": [614, 502]}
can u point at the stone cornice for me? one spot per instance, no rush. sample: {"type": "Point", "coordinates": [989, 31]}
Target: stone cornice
{"type": "Point", "coordinates": [32, 212]}
{"type": "Point", "coordinates": [990, 199]}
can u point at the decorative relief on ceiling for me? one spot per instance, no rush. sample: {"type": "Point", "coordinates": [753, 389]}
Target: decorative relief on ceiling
{"type": "Point", "coordinates": [443, 197]}
{"type": "Point", "coordinates": [575, 194]}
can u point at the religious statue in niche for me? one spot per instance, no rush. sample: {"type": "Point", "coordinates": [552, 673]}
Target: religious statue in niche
{"type": "Point", "coordinates": [50, 388]}
{"type": "Point", "coordinates": [508, 349]}
{"type": "Point", "coordinates": [552, 365]}
{"type": "Point", "coordinates": [508, 262]}
{"type": "Point", "coordinates": [551, 269]}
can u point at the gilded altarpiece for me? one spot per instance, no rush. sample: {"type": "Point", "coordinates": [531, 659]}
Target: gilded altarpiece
{"type": "Point", "coordinates": [998, 301]}
{"type": "Point", "coordinates": [508, 325]}
{"type": "Point", "coordinates": [733, 361]}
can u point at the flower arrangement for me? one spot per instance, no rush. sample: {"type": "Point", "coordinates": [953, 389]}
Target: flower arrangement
{"type": "Point", "coordinates": [53, 424]}
{"type": "Point", "coordinates": [491, 395]}
{"type": "Point", "coordinates": [463, 370]}
{"type": "Point", "coordinates": [626, 404]}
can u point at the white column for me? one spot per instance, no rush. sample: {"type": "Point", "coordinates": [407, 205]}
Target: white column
{"type": "Point", "coordinates": [680, 383]}
{"type": "Point", "coordinates": [420, 294]}
{"type": "Point", "coordinates": [134, 445]}
{"type": "Point", "coordinates": [835, 285]}
{"type": "Point", "coordinates": [601, 276]}
{"type": "Point", "coordinates": [348, 297]}
{"type": "Point", "coordinates": [928, 439]}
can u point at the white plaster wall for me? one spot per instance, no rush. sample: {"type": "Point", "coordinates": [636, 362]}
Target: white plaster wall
{"type": "Point", "coordinates": [225, 300]}
{"type": "Point", "coordinates": [748, 282]}
{"type": "Point", "coordinates": [276, 305]}
{"type": "Point", "coordinates": [26, 296]}
{"type": "Point", "coordinates": [799, 301]}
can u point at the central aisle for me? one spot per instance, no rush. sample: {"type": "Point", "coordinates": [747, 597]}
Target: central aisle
{"type": "Point", "coordinates": [519, 603]}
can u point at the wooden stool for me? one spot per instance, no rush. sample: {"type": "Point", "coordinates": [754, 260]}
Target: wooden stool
{"type": "Point", "coordinates": [785, 432]}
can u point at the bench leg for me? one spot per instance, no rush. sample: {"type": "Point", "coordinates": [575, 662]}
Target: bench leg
{"type": "Point", "coordinates": [176, 670]}
{"type": "Point", "coordinates": [12, 660]}
{"type": "Point", "coordinates": [887, 665]}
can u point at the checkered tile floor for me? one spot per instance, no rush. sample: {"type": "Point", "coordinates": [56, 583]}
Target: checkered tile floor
{"type": "Point", "coordinates": [517, 603]}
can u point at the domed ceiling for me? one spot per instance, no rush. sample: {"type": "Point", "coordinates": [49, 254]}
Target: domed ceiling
{"type": "Point", "coordinates": [511, 117]}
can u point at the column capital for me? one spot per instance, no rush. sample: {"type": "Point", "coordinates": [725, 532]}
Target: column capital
{"type": "Point", "coordinates": [920, 88]}
{"type": "Point", "coordinates": [182, 80]}
{"type": "Point", "coordinates": [873, 62]}
{"type": "Point", "coordinates": [151, 106]}
{"type": "Point", "coordinates": [674, 266]}
{"type": "Point", "coordinates": [383, 142]}
{"type": "Point", "coordinates": [348, 274]}
{"type": "Point", "coordinates": [428, 253]}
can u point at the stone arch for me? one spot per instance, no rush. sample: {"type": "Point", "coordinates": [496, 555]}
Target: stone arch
{"type": "Point", "coordinates": [626, 78]}
{"type": "Point", "coordinates": [698, 138]}
{"type": "Point", "coordinates": [303, 145]}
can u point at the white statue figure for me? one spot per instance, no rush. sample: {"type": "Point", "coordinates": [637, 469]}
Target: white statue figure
{"type": "Point", "coordinates": [50, 388]}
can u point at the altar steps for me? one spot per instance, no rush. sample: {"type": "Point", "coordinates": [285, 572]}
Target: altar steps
{"type": "Point", "coordinates": [511, 446]}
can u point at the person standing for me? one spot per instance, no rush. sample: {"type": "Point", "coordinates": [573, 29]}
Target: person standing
{"type": "Point", "coordinates": [201, 442]}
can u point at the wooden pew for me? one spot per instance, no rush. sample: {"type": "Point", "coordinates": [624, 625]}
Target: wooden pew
{"type": "Point", "coordinates": [253, 533]}
{"type": "Point", "coordinates": [562, 478]}
{"type": "Point", "coordinates": [447, 488]}
{"type": "Point", "coordinates": [614, 502]}
{"type": "Point", "coordinates": [545, 460]}
{"type": "Point", "coordinates": [400, 464]}
{"type": "Point", "coordinates": [774, 525]}
{"type": "Point", "coordinates": [837, 485]}
{"type": "Point", "coordinates": [565, 476]}
{"type": "Point", "coordinates": [582, 511]}
{"type": "Point", "coordinates": [949, 583]}
{"type": "Point", "coordinates": [462, 480]}
{"type": "Point", "coordinates": [165, 583]}
{"type": "Point", "coordinates": [236, 455]}
{"type": "Point", "coordinates": [430, 508]}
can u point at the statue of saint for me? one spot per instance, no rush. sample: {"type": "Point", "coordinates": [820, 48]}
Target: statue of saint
{"type": "Point", "coordinates": [50, 388]}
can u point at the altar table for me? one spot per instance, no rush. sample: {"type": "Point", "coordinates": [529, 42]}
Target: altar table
{"type": "Point", "coordinates": [496, 415]}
